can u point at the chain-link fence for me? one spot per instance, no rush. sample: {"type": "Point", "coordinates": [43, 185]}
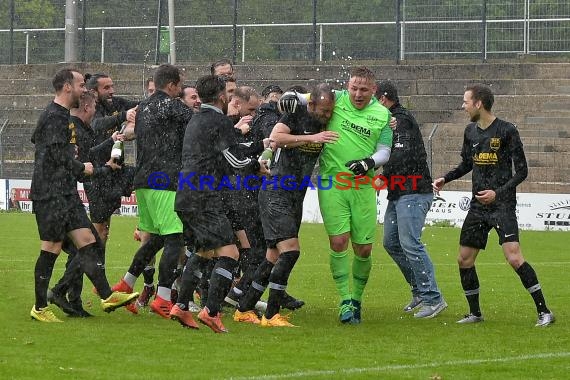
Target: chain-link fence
{"type": "Point", "coordinates": [129, 31]}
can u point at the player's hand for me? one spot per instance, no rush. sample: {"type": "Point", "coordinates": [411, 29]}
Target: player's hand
{"type": "Point", "coordinates": [88, 168]}
{"type": "Point", "coordinates": [288, 103]}
{"type": "Point", "coordinates": [325, 137]}
{"type": "Point", "coordinates": [137, 234]}
{"type": "Point", "coordinates": [360, 167]}
{"type": "Point", "coordinates": [267, 142]}
{"type": "Point", "coordinates": [393, 123]}
{"type": "Point", "coordinates": [264, 167]}
{"type": "Point", "coordinates": [437, 185]}
{"type": "Point", "coordinates": [131, 114]}
{"type": "Point", "coordinates": [117, 136]}
{"type": "Point", "coordinates": [112, 164]}
{"type": "Point", "coordinates": [486, 196]}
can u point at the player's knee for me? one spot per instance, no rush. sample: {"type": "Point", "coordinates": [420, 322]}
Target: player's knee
{"type": "Point", "coordinates": [339, 243]}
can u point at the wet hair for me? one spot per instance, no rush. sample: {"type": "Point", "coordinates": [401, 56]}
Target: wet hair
{"type": "Point", "coordinates": [246, 93]}
{"type": "Point", "coordinates": [320, 92]}
{"type": "Point", "coordinates": [227, 78]}
{"type": "Point", "coordinates": [388, 89]}
{"type": "Point", "coordinates": [86, 97]}
{"type": "Point", "coordinates": [62, 77]}
{"type": "Point", "coordinates": [362, 72]}
{"type": "Point", "coordinates": [482, 93]}
{"type": "Point", "coordinates": [269, 89]}
{"type": "Point", "coordinates": [92, 80]}
{"type": "Point", "coordinates": [220, 62]}
{"type": "Point", "coordinates": [209, 87]}
{"type": "Point", "coordinates": [165, 74]}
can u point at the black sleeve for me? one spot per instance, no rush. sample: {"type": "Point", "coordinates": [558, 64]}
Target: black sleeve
{"type": "Point", "coordinates": [102, 125]}
{"type": "Point", "coordinates": [58, 156]}
{"type": "Point", "coordinates": [238, 155]}
{"type": "Point", "coordinates": [466, 164]}
{"type": "Point", "coordinates": [101, 171]}
{"type": "Point", "coordinates": [95, 151]}
{"type": "Point", "coordinates": [519, 159]}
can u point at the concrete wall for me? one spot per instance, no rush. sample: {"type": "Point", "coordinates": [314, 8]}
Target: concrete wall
{"type": "Point", "coordinates": [535, 96]}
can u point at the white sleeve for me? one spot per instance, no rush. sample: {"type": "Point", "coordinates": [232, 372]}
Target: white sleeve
{"type": "Point", "coordinates": [382, 154]}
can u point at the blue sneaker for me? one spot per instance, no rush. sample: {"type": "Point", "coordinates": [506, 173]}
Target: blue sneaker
{"type": "Point", "coordinates": [356, 317]}
{"type": "Point", "coordinates": [346, 312]}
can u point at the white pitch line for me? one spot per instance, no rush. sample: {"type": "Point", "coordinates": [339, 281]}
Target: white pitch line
{"type": "Point", "coordinates": [388, 368]}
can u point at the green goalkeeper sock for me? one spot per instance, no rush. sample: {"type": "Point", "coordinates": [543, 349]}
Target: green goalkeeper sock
{"type": "Point", "coordinates": [361, 267]}
{"type": "Point", "coordinates": [340, 269]}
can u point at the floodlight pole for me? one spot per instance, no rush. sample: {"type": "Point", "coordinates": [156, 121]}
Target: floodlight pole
{"type": "Point", "coordinates": [171, 31]}
{"type": "Point", "coordinates": [71, 31]}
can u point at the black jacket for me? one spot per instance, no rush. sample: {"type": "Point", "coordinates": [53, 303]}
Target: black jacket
{"type": "Point", "coordinates": [408, 157]}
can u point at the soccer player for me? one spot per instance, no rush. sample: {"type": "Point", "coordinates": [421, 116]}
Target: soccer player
{"type": "Point", "coordinates": [349, 214]}
{"type": "Point", "coordinates": [408, 204]}
{"type": "Point", "coordinates": [59, 210]}
{"type": "Point", "coordinates": [210, 148]}
{"type": "Point", "coordinates": [300, 137]}
{"type": "Point", "coordinates": [491, 148]}
{"type": "Point", "coordinates": [159, 127]}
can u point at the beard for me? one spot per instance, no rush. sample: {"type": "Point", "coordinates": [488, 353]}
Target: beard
{"type": "Point", "coordinates": [475, 118]}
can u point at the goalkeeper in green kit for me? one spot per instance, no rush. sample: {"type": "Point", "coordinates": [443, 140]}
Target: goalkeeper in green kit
{"type": "Point", "coordinates": [347, 198]}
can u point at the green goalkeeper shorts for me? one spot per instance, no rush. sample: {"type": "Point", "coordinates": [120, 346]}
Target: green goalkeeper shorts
{"type": "Point", "coordinates": [349, 210]}
{"type": "Point", "coordinates": [156, 212]}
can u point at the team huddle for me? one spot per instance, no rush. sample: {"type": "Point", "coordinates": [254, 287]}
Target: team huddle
{"type": "Point", "coordinates": [224, 245]}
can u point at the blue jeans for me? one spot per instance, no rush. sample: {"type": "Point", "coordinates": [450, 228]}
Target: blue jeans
{"type": "Point", "coordinates": [403, 224]}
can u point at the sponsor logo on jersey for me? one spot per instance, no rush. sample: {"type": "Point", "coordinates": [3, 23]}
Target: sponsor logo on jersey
{"type": "Point", "coordinates": [485, 158]}
{"type": "Point", "coordinates": [372, 120]}
{"type": "Point", "coordinates": [362, 131]}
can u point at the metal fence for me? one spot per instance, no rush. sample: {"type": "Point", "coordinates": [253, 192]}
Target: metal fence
{"type": "Point", "coordinates": [298, 30]}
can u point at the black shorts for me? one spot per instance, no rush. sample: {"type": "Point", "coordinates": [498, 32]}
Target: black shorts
{"type": "Point", "coordinates": [232, 200]}
{"type": "Point", "coordinates": [478, 223]}
{"type": "Point", "coordinates": [210, 227]}
{"type": "Point", "coordinates": [55, 217]}
{"type": "Point", "coordinates": [281, 213]}
{"type": "Point", "coordinates": [101, 206]}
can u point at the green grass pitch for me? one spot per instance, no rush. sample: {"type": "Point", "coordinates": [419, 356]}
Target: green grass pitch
{"type": "Point", "coordinates": [389, 344]}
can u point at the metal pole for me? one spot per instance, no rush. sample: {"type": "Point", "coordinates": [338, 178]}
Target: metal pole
{"type": "Point", "coordinates": [171, 25]}
{"type": "Point", "coordinates": [234, 36]}
{"type": "Point", "coordinates": [430, 145]}
{"type": "Point", "coordinates": [84, 35]}
{"type": "Point", "coordinates": [314, 50]}
{"type": "Point", "coordinates": [398, 31]}
{"type": "Point", "coordinates": [12, 17]}
{"type": "Point", "coordinates": [526, 30]}
{"type": "Point", "coordinates": [403, 31]}
{"type": "Point", "coordinates": [321, 43]}
{"type": "Point", "coordinates": [484, 31]}
{"type": "Point", "coordinates": [70, 31]}
{"type": "Point", "coordinates": [102, 45]}
{"type": "Point", "coordinates": [243, 44]}
{"type": "Point", "coordinates": [27, 47]}
{"type": "Point", "coordinates": [158, 25]}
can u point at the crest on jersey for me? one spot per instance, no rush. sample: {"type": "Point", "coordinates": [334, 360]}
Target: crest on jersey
{"type": "Point", "coordinates": [495, 143]}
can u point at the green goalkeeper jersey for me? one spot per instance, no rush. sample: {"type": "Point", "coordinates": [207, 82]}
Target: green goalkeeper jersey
{"type": "Point", "coordinates": [360, 132]}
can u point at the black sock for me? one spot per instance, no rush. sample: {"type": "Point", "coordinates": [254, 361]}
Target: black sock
{"type": "Point", "coordinates": [190, 278]}
{"type": "Point", "coordinates": [145, 253]}
{"type": "Point", "coordinates": [278, 281]}
{"type": "Point", "coordinates": [257, 287]}
{"type": "Point", "coordinates": [470, 284]}
{"type": "Point", "coordinates": [530, 282]}
{"type": "Point", "coordinates": [72, 271]}
{"type": "Point", "coordinates": [173, 247]}
{"type": "Point", "coordinates": [220, 283]}
{"type": "Point", "coordinates": [148, 274]}
{"type": "Point", "coordinates": [90, 259]}
{"type": "Point", "coordinates": [204, 284]}
{"type": "Point", "coordinates": [42, 275]}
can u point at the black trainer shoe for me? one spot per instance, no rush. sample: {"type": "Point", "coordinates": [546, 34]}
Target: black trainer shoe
{"type": "Point", "coordinates": [80, 312]}
{"type": "Point", "coordinates": [61, 302]}
{"type": "Point", "coordinates": [291, 303]}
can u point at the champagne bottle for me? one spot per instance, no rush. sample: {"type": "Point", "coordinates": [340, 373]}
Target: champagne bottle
{"type": "Point", "coordinates": [266, 155]}
{"type": "Point", "coordinates": [118, 151]}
